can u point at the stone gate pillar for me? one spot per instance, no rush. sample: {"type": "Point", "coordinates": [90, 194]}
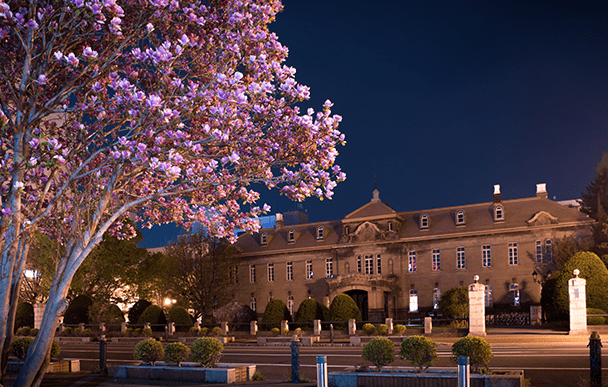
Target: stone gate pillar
{"type": "Point", "coordinates": [578, 305]}
{"type": "Point", "coordinates": [38, 312]}
{"type": "Point", "coordinates": [477, 308]}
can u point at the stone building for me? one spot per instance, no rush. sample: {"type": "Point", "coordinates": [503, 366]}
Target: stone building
{"type": "Point", "coordinates": [397, 264]}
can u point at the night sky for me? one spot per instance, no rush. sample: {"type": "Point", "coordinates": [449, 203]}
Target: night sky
{"type": "Point", "coordinates": [443, 99]}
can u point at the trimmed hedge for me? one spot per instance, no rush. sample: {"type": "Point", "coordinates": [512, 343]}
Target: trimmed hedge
{"type": "Point", "coordinates": [155, 316]}
{"type": "Point", "coordinates": [149, 351]}
{"type": "Point", "coordinates": [136, 310]}
{"type": "Point", "coordinates": [25, 315]}
{"type": "Point", "coordinates": [78, 311]}
{"type": "Point", "coordinates": [380, 351]}
{"type": "Point", "coordinates": [420, 351]}
{"type": "Point", "coordinates": [276, 311]}
{"type": "Point", "coordinates": [176, 353]}
{"type": "Point", "coordinates": [477, 349]}
{"type": "Point", "coordinates": [595, 320]}
{"type": "Point", "coordinates": [344, 308]}
{"type": "Point", "coordinates": [180, 316]}
{"type": "Point", "coordinates": [309, 310]}
{"type": "Point", "coordinates": [207, 351]}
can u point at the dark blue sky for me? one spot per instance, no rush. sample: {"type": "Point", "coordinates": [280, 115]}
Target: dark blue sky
{"type": "Point", "coordinates": [443, 99]}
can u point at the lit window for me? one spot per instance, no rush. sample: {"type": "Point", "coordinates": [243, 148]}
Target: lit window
{"type": "Point", "coordinates": [290, 304]}
{"type": "Point", "coordinates": [512, 253]}
{"type": "Point", "coordinates": [548, 251]}
{"type": "Point", "coordinates": [424, 221]}
{"type": "Point", "coordinates": [253, 304]}
{"type": "Point", "coordinates": [264, 239]}
{"type": "Point", "coordinates": [413, 300]}
{"type": "Point", "coordinates": [411, 261]}
{"type": "Point", "coordinates": [460, 217]}
{"type": "Point", "coordinates": [358, 264]}
{"type": "Point", "coordinates": [436, 260]}
{"type": "Point", "coordinates": [461, 262]}
{"type": "Point", "coordinates": [320, 232]}
{"type": "Point", "coordinates": [486, 255]}
{"type": "Point", "coordinates": [252, 274]}
{"type": "Point", "coordinates": [436, 298]}
{"type": "Point", "coordinates": [378, 264]}
{"type": "Point", "coordinates": [514, 290]}
{"type": "Point", "coordinates": [499, 213]}
{"type": "Point", "coordinates": [290, 271]}
{"type": "Point", "coordinates": [539, 251]}
{"type": "Point", "coordinates": [309, 273]}
{"type": "Point", "coordinates": [271, 272]}
{"type": "Point", "coordinates": [291, 236]}
{"type": "Point", "coordinates": [329, 267]}
{"type": "Point", "coordinates": [488, 297]}
{"type": "Point", "coordinates": [369, 264]}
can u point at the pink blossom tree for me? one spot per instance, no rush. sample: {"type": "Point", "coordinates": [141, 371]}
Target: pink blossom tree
{"type": "Point", "coordinates": [166, 111]}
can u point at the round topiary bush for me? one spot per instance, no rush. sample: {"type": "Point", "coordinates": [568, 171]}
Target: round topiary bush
{"type": "Point", "coordinates": [149, 351]}
{"type": "Point", "coordinates": [593, 270]}
{"type": "Point", "coordinates": [237, 315]}
{"type": "Point", "coordinates": [477, 349]}
{"type": "Point", "coordinates": [113, 315]}
{"type": "Point", "coordinates": [420, 351]}
{"type": "Point", "coordinates": [343, 308]}
{"type": "Point", "coordinates": [309, 311]}
{"type": "Point", "coordinates": [398, 329]}
{"type": "Point", "coordinates": [24, 316]}
{"type": "Point", "coordinates": [176, 353]}
{"type": "Point", "coordinates": [454, 303]}
{"type": "Point", "coordinates": [78, 311]}
{"type": "Point", "coordinates": [55, 349]}
{"type": "Point", "coordinates": [368, 329]}
{"type": "Point", "coordinates": [207, 351]}
{"type": "Point", "coordinates": [180, 316]}
{"type": "Point", "coordinates": [382, 330]}
{"type": "Point", "coordinates": [276, 311]}
{"type": "Point", "coordinates": [19, 347]}
{"type": "Point", "coordinates": [23, 331]}
{"type": "Point", "coordinates": [155, 316]}
{"type": "Point", "coordinates": [595, 320]}
{"type": "Point", "coordinates": [136, 310]}
{"type": "Point", "coordinates": [216, 331]}
{"type": "Point", "coordinates": [380, 351]}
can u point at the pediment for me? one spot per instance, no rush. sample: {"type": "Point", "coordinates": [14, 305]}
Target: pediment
{"type": "Point", "coordinates": [542, 218]}
{"type": "Point", "coordinates": [367, 232]}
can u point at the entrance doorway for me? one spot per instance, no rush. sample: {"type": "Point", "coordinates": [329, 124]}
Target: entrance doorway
{"type": "Point", "coordinates": [360, 298]}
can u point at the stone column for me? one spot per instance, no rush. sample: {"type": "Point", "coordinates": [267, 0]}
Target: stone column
{"type": "Point", "coordinates": [253, 328]}
{"type": "Point", "coordinates": [284, 326]}
{"type": "Point", "coordinates": [316, 327]}
{"type": "Point", "coordinates": [171, 328]}
{"type": "Point", "coordinates": [38, 313]}
{"type": "Point", "coordinates": [477, 308]}
{"type": "Point", "coordinates": [578, 305]}
{"type": "Point", "coordinates": [389, 323]}
{"type": "Point", "coordinates": [123, 328]}
{"type": "Point", "coordinates": [428, 325]}
{"type": "Point", "coordinates": [352, 327]}
{"type": "Point", "coordinates": [225, 329]}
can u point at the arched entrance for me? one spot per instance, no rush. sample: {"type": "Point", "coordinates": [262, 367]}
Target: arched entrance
{"type": "Point", "coordinates": [360, 297]}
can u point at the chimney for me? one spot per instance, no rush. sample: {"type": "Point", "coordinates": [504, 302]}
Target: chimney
{"type": "Point", "coordinates": [278, 222]}
{"type": "Point", "coordinates": [497, 195]}
{"type": "Point", "coordinates": [541, 190]}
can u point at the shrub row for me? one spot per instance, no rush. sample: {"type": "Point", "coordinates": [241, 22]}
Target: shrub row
{"type": "Point", "coordinates": [205, 350]}
{"type": "Point", "coordinates": [20, 345]}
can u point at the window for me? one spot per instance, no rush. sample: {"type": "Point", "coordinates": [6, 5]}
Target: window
{"type": "Point", "coordinates": [390, 226]}
{"type": "Point", "coordinates": [461, 262]}
{"type": "Point", "coordinates": [252, 304]}
{"type": "Point", "coordinates": [264, 239]}
{"type": "Point", "coordinates": [378, 264]}
{"type": "Point", "coordinates": [252, 274]}
{"type": "Point", "coordinates": [436, 260]}
{"type": "Point", "coordinates": [486, 255]}
{"type": "Point", "coordinates": [411, 261]}
{"type": "Point", "coordinates": [424, 221]}
{"type": "Point", "coordinates": [460, 217]}
{"type": "Point", "coordinates": [320, 232]}
{"type": "Point", "coordinates": [290, 304]}
{"type": "Point", "coordinates": [514, 290]}
{"type": "Point", "coordinates": [291, 235]}
{"type": "Point", "coordinates": [358, 264]}
{"type": "Point", "coordinates": [499, 213]}
{"type": "Point", "coordinates": [548, 251]}
{"type": "Point", "coordinates": [512, 253]}
{"type": "Point", "coordinates": [271, 272]}
{"type": "Point", "coordinates": [539, 251]}
{"type": "Point", "coordinates": [290, 271]}
{"type": "Point", "coordinates": [369, 264]}
{"type": "Point", "coordinates": [413, 300]}
{"type": "Point", "coordinates": [488, 297]}
{"type": "Point", "coordinates": [309, 269]}
{"type": "Point", "coordinates": [329, 267]}
{"type": "Point", "coordinates": [270, 296]}
{"type": "Point", "coordinates": [234, 273]}
{"type": "Point", "coordinates": [436, 298]}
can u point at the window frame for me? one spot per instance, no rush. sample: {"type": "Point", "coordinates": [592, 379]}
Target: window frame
{"type": "Point", "coordinates": [252, 273]}
{"type": "Point", "coordinates": [369, 264]}
{"type": "Point", "coordinates": [320, 232]}
{"type": "Point", "coordinates": [459, 214]}
{"type": "Point", "coordinates": [329, 267]}
{"type": "Point", "coordinates": [538, 249]}
{"type": "Point", "coordinates": [289, 271]}
{"type": "Point", "coordinates": [413, 301]}
{"type": "Point", "coordinates": [436, 260]}
{"type": "Point", "coordinates": [513, 254]}
{"type": "Point", "coordinates": [291, 235]}
{"type": "Point", "coordinates": [270, 269]}
{"type": "Point", "coordinates": [425, 221]}
{"type": "Point", "coordinates": [486, 255]}
{"type": "Point", "coordinates": [548, 251]}
{"type": "Point", "coordinates": [436, 298]}
{"type": "Point", "coordinates": [309, 271]}
{"type": "Point", "coordinates": [461, 260]}
{"type": "Point", "coordinates": [253, 303]}
{"type": "Point", "coordinates": [264, 239]}
{"type": "Point", "coordinates": [411, 261]}
{"type": "Point", "coordinates": [499, 213]}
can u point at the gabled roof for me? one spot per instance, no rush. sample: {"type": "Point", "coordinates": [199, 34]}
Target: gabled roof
{"type": "Point", "coordinates": [374, 209]}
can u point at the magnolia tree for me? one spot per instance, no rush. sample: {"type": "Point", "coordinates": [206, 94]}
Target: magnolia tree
{"type": "Point", "coordinates": [156, 109]}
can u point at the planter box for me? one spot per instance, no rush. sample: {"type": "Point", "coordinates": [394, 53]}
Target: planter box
{"type": "Point", "coordinates": [427, 379]}
{"type": "Point", "coordinates": [54, 367]}
{"type": "Point", "coordinates": [222, 374]}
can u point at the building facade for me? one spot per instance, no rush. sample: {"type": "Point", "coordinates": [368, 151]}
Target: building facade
{"type": "Point", "coordinates": [397, 264]}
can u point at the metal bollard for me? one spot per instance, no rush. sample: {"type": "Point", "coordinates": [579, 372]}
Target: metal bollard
{"type": "Point", "coordinates": [322, 371]}
{"type": "Point", "coordinates": [103, 354]}
{"type": "Point", "coordinates": [463, 372]}
{"type": "Point", "coordinates": [295, 362]}
{"type": "Point", "coordinates": [595, 358]}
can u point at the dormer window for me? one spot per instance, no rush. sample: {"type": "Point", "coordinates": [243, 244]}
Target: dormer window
{"type": "Point", "coordinates": [499, 213]}
{"type": "Point", "coordinates": [264, 239]}
{"type": "Point", "coordinates": [320, 232]}
{"type": "Point", "coordinates": [424, 221]}
{"type": "Point", "coordinates": [460, 217]}
{"type": "Point", "coordinates": [390, 226]}
{"type": "Point", "coordinates": [291, 235]}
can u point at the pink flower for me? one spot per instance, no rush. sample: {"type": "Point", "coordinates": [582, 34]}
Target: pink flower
{"type": "Point", "coordinates": [42, 79]}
